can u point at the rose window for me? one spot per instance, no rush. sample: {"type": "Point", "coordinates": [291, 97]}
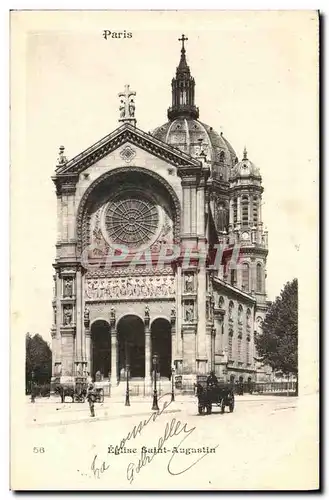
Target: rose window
{"type": "Point", "coordinates": [132, 221]}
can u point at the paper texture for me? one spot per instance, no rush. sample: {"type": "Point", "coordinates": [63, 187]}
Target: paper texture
{"type": "Point", "coordinates": [256, 82]}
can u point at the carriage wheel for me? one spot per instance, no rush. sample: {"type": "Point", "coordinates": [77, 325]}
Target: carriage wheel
{"type": "Point", "coordinates": [200, 409]}
{"type": "Point", "coordinates": [222, 407]}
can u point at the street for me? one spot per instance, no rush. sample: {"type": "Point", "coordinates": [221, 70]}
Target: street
{"type": "Point", "coordinates": [265, 443]}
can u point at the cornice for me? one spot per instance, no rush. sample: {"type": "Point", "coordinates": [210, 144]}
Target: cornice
{"type": "Point", "coordinates": [234, 290]}
{"type": "Point", "coordinates": [127, 133]}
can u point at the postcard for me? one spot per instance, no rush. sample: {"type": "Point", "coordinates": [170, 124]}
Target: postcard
{"type": "Point", "coordinates": [164, 250]}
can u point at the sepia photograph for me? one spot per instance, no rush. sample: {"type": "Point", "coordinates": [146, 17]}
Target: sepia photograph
{"type": "Point", "coordinates": [164, 250]}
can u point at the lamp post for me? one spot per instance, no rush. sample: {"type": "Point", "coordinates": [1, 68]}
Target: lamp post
{"type": "Point", "coordinates": [155, 394]}
{"type": "Point", "coordinates": [172, 384]}
{"type": "Point", "coordinates": [127, 386]}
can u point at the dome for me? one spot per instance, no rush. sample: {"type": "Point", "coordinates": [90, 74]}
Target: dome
{"type": "Point", "coordinates": [245, 168]}
{"type": "Point", "coordinates": [192, 136]}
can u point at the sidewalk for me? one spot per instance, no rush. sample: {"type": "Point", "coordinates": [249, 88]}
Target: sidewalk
{"type": "Point", "coordinates": [51, 412]}
{"type": "Point", "coordinates": [55, 413]}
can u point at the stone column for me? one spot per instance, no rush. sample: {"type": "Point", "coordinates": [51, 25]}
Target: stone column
{"type": "Point", "coordinates": [59, 218]}
{"type": "Point", "coordinates": [147, 352]}
{"type": "Point", "coordinates": [88, 351]}
{"type": "Point", "coordinates": [213, 339]}
{"type": "Point", "coordinates": [231, 216]}
{"type": "Point", "coordinates": [79, 331]}
{"type": "Point", "coordinates": [58, 353]}
{"type": "Point", "coordinates": [250, 207]}
{"type": "Point", "coordinates": [186, 207]}
{"type": "Point", "coordinates": [202, 356]}
{"type": "Point", "coordinates": [114, 349]}
{"type": "Point", "coordinates": [70, 216]}
{"type": "Point", "coordinates": [65, 216]}
{"type": "Point", "coordinates": [179, 312]}
{"type": "Point", "coordinates": [200, 211]}
{"type": "Point", "coordinates": [239, 211]}
{"type": "Point", "coordinates": [173, 337]}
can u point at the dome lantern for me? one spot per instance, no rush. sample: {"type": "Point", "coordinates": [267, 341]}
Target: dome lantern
{"type": "Point", "coordinates": [183, 86]}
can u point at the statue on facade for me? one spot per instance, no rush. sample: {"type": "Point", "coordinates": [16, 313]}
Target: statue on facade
{"type": "Point", "coordinates": [189, 314]}
{"type": "Point", "coordinates": [112, 314]}
{"type": "Point", "coordinates": [147, 311]}
{"type": "Point", "coordinates": [127, 105]}
{"type": "Point", "coordinates": [173, 314]}
{"type": "Point", "coordinates": [62, 159]}
{"type": "Point", "coordinates": [86, 315]}
{"type": "Point", "coordinates": [132, 108]}
{"type": "Point", "coordinates": [67, 316]}
{"type": "Point", "coordinates": [68, 288]}
{"type": "Point", "coordinates": [189, 283]}
{"type": "Point", "coordinates": [122, 109]}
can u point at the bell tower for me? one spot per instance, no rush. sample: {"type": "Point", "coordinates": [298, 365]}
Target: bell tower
{"type": "Point", "coordinates": [246, 229]}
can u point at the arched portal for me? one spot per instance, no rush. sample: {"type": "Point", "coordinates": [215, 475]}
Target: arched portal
{"type": "Point", "coordinates": [161, 345]}
{"type": "Point", "coordinates": [101, 348]}
{"type": "Point", "coordinates": [131, 338]}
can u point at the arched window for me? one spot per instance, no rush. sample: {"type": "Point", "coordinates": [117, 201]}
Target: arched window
{"type": "Point", "coordinates": [255, 210]}
{"type": "Point", "coordinates": [230, 310]}
{"type": "Point", "coordinates": [259, 278]}
{"type": "Point", "coordinates": [248, 317]}
{"type": "Point", "coordinates": [222, 157]}
{"type": "Point", "coordinates": [233, 277]}
{"type": "Point", "coordinates": [240, 313]}
{"type": "Point", "coordinates": [245, 210]}
{"type": "Point", "coordinates": [245, 276]}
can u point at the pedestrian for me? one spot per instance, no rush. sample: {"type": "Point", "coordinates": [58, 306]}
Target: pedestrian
{"type": "Point", "coordinates": [91, 397]}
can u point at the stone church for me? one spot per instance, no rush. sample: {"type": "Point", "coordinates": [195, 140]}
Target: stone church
{"type": "Point", "coordinates": [122, 290]}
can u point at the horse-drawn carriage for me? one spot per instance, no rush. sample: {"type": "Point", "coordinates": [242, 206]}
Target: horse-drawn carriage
{"type": "Point", "coordinates": [220, 394]}
{"type": "Point", "coordinates": [76, 389]}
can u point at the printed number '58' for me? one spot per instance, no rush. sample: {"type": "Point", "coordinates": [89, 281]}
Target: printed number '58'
{"type": "Point", "coordinates": [38, 450]}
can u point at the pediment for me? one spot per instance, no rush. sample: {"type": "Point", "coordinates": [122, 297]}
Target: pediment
{"type": "Point", "coordinates": [123, 134]}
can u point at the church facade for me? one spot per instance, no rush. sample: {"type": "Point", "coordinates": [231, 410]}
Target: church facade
{"type": "Point", "coordinates": [160, 250]}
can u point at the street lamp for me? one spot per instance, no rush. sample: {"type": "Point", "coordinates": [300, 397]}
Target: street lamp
{"type": "Point", "coordinates": [155, 394]}
{"type": "Point", "coordinates": [172, 384]}
{"type": "Point", "coordinates": [127, 386]}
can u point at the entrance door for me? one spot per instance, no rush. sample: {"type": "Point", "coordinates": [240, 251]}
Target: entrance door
{"type": "Point", "coordinates": [101, 348]}
{"type": "Point", "coordinates": [161, 345]}
{"type": "Point", "coordinates": [131, 345]}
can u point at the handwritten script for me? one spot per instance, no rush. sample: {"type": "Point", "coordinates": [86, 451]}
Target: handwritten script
{"type": "Point", "coordinates": [173, 428]}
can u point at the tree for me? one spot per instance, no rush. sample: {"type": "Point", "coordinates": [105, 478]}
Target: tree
{"type": "Point", "coordinates": [277, 346]}
{"type": "Point", "coordinates": [37, 359]}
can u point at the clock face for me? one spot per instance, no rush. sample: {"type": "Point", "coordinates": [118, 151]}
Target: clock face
{"type": "Point", "coordinates": [245, 236]}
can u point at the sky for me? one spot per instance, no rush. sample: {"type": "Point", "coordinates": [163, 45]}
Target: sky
{"type": "Point", "coordinates": [256, 81]}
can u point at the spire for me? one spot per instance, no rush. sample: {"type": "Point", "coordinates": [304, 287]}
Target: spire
{"type": "Point", "coordinates": [245, 157]}
{"type": "Point", "coordinates": [183, 89]}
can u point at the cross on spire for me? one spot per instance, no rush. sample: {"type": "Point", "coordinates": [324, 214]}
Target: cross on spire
{"type": "Point", "coordinates": [183, 39]}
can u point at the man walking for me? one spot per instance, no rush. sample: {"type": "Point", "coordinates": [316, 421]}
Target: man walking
{"type": "Point", "coordinates": [91, 397]}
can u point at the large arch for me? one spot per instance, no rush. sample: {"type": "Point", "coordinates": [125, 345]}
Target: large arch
{"type": "Point", "coordinates": [161, 344]}
{"type": "Point", "coordinates": [117, 174]}
{"type": "Point", "coordinates": [100, 348]}
{"type": "Point", "coordinates": [131, 346]}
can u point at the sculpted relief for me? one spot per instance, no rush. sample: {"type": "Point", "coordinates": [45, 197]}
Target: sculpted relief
{"type": "Point", "coordinates": [111, 288]}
